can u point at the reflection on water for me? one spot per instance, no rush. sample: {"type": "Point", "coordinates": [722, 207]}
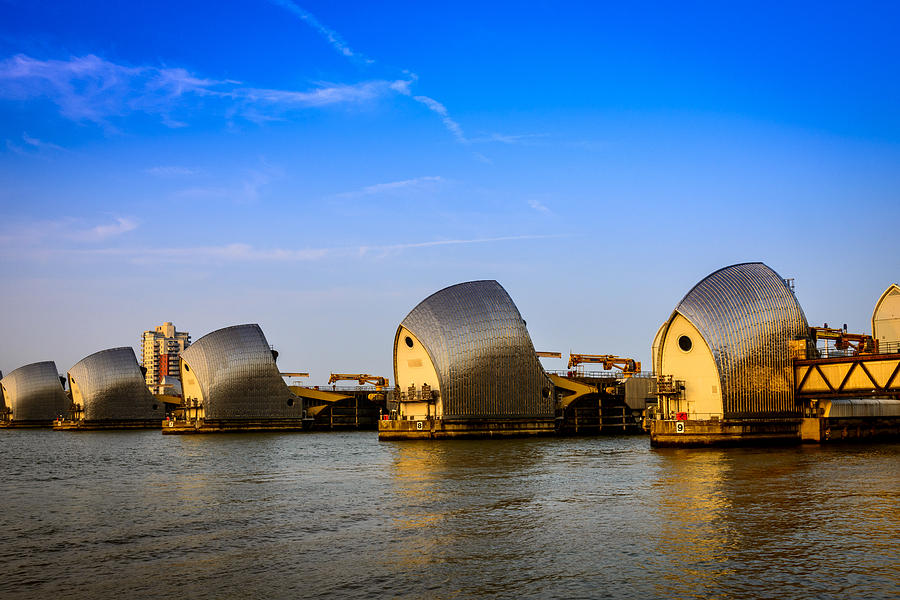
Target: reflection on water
{"type": "Point", "coordinates": [807, 522]}
{"type": "Point", "coordinates": [692, 542]}
{"type": "Point", "coordinates": [342, 515]}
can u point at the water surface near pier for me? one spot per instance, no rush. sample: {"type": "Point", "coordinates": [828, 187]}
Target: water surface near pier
{"type": "Point", "coordinates": [321, 515]}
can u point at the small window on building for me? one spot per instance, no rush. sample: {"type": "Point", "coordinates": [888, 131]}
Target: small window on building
{"type": "Point", "coordinates": [290, 401]}
{"type": "Point", "coordinates": [409, 341]}
{"type": "Point", "coordinates": [685, 343]}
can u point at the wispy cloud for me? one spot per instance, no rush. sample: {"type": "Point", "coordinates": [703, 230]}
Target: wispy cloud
{"type": "Point", "coordinates": [40, 144]}
{"type": "Point", "coordinates": [93, 89]}
{"type": "Point", "coordinates": [103, 232]}
{"type": "Point", "coordinates": [31, 146]}
{"type": "Point", "coordinates": [42, 241]}
{"type": "Point", "coordinates": [402, 85]}
{"type": "Point", "coordinates": [333, 38]}
{"type": "Point", "coordinates": [385, 250]}
{"type": "Point", "coordinates": [321, 96]}
{"type": "Point", "coordinates": [172, 171]}
{"type": "Point", "coordinates": [379, 188]}
{"type": "Point", "coordinates": [45, 234]}
{"type": "Point", "coordinates": [237, 252]}
{"type": "Point", "coordinates": [439, 109]}
{"type": "Point", "coordinates": [538, 206]}
{"type": "Point", "coordinates": [246, 189]}
{"type": "Point", "coordinates": [240, 252]}
{"type": "Point", "coordinates": [502, 138]}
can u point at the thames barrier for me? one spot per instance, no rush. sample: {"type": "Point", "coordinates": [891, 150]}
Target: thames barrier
{"type": "Point", "coordinates": [736, 363]}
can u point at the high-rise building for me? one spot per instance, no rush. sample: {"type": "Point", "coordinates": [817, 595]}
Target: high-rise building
{"type": "Point", "coordinates": [160, 356]}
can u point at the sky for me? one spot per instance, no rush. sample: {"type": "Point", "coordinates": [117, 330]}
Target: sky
{"type": "Point", "coordinates": [320, 168]}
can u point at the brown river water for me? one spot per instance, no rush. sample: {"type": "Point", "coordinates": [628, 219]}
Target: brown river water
{"type": "Point", "coordinates": [341, 515]}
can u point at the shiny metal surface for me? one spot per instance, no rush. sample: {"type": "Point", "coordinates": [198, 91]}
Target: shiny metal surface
{"type": "Point", "coordinates": [238, 376]}
{"type": "Point", "coordinates": [482, 352]}
{"type": "Point", "coordinates": [747, 315]}
{"type": "Point", "coordinates": [34, 393]}
{"type": "Point", "coordinates": [113, 388]}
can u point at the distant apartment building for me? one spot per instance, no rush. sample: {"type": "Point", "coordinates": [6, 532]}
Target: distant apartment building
{"type": "Point", "coordinates": [160, 350]}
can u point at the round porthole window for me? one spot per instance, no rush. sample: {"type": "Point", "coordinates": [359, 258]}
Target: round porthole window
{"type": "Point", "coordinates": [290, 401]}
{"type": "Point", "coordinates": [545, 392]}
{"type": "Point", "coordinates": [155, 407]}
{"type": "Point", "coordinates": [685, 343]}
{"type": "Point", "coordinates": [409, 341]}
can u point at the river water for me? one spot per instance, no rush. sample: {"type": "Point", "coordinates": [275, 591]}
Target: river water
{"type": "Point", "coordinates": [341, 515]}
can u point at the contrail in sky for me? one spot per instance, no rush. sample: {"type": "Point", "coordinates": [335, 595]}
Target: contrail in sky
{"type": "Point", "coordinates": [341, 46]}
{"type": "Point", "coordinates": [336, 41]}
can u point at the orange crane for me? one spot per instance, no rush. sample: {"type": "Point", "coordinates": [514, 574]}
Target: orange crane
{"type": "Point", "coordinates": [629, 366]}
{"type": "Point", "coordinates": [362, 378]}
{"type": "Point", "coordinates": [549, 354]}
{"type": "Point", "coordinates": [859, 343]}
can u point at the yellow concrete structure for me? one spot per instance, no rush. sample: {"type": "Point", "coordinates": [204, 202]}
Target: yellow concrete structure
{"type": "Point", "coordinates": [680, 352]}
{"type": "Point", "coordinates": [414, 368]}
{"type": "Point", "coordinates": [886, 320]}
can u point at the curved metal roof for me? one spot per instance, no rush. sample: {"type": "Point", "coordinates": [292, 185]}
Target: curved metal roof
{"type": "Point", "coordinates": [113, 387]}
{"type": "Point", "coordinates": [747, 315]}
{"type": "Point", "coordinates": [482, 352]}
{"type": "Point", "coordinates": [238, 376]}
{"type": "Point", "coordinates": [35, 393]}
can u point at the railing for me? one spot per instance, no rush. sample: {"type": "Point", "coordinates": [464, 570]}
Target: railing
{"type": "Point", "coordinates": [829, 352]}
{"type": "Point", "coordinates": [832, 352]}
{"type": "Point", "coordinates": [344, 388]}
{"type": "Point", "coordinates": [888, 347]}
{"type": "Point", "coordinates": [598, 374]}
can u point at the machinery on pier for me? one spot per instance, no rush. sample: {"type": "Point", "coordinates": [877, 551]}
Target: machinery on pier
{"type": "Point", "coordinates": [857, 343]}
{"type": "Point", "coordinates": [628, 366]}
{"type": "Point", "coordinates": [362, 378]}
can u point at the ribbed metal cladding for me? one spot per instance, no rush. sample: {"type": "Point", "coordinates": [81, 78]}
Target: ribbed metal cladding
{"type": "Point", "coordinates": [238, 376]}
{"type": "Point", "coordinates": [113, 387]}
{"type": "Point", "coordinates": [482, 352]}
{"type": "Point", "coordinates": [35, 393]}
{"type": "Point", "coordinates": [747, 315]}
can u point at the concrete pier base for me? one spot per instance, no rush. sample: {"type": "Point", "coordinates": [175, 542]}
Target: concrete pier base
{"type": "Point", "coordinates": [474, 428]}
{"type": "Point", "coordinates": [26, 424]}
{"type": "Point", "coordinates": [686, 434]}
{"type": "Point", "coordinates": [815, 430]}
{"type": "Point", "coordinates": [100, 425]}
{"type": "Point", "coordinates": [235, 426]}
{"type": "Point", "coordinates": [836, 429]}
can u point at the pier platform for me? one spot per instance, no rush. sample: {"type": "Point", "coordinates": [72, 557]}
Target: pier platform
{"type": "Point", "coordinates": [846, 429]}
{"type": "Point", "coordinates": [100, 425]}
{"type": "Point", "coordinates": [812, 430]}
{"type": "Point", "coordinates": [232, 426]}
{"type": "Point", "coordinates": [403, 429]}
{"type": "Point", "coordinates": [692, 434]}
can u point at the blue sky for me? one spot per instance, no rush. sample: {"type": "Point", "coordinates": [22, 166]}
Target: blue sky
{"type": "Point", "coordinates": [319, 168]}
